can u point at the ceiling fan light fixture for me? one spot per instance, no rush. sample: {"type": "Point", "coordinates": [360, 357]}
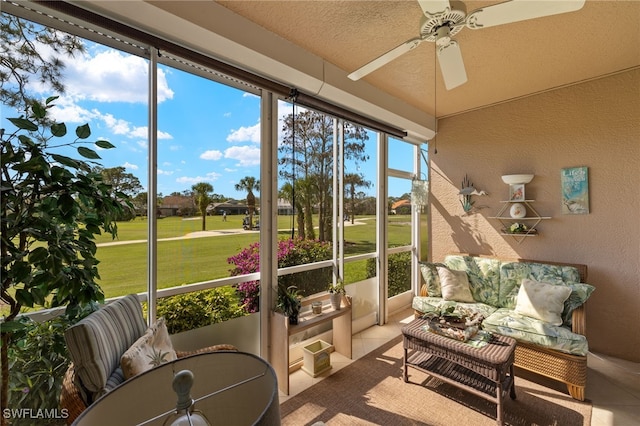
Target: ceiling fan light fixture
{"type": "Point", "coordinates": [443, 37]}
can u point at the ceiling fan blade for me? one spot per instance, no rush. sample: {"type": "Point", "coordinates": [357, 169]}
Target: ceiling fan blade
{"type": "Point", "coordinates": [432, 7]}
{"type": "Point", "coordinates": [519, 10]}
{"type": "Point", "coordinates": [451, 65]}
{"type": "Point", "coordinates": [385, 59]}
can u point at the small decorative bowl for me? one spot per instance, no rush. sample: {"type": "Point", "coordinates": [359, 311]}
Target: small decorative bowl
{"type": "Point", "coordinates": [516, 179]}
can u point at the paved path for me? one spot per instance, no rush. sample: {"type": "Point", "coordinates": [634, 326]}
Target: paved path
{"type": "Point", "coordinates": [202, 234]}
{"type": "Point", "coordinates": [199, 234]}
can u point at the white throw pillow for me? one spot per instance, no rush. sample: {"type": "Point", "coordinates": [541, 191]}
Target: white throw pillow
{"type": "Point", "coordinates": [150, 350]}
{"type": "Point", "coordinates": [542, 301]}
{"type": "Point", "coordinates": [455, 285]}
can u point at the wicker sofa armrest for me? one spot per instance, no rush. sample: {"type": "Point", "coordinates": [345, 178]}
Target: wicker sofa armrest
{"type": "Point", "coordinates": [70, 396]}
{"type": "Point", "coordinates": [424, 291]}
{"type": "Point", "coordinates": [579, 320]}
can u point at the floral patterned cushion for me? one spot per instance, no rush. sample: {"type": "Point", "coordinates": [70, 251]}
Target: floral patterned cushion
{"type": "Point", "coordinates": [580, 292]}
{"type": "Point", "coordinates": [512, 274]}
{"type": "Point", "coordinates": [484, 276]}
{"type": "Point", "coordinates": [531, 330]}
{"type": "Point", "coordinates": [425, 304]}
{"type": "Point", "coordinates": [437, 304]}
{"type": "Point", "coordinates": [430, 274]}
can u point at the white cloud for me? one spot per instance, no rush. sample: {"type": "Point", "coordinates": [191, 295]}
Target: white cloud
{"type": "Point", "coordinates": [67, 111]}
{"type": "Point", "coordinates": [246, 155]}
{"type": "Point", "coordinates": [128, 165]}
{"type": "Point", "coordinates": [230, 170]}
{"type": "Point", "coordinates": [245, 134]}
{"type": "Point", "coordinates": [113, 76]}
{"type": "Point", "coordinates": [209, 177]}
{"type": "Point", "coordinates": [212, 154]}
{"type": "Point", "coordinates": [116, 125]}
{"type": "Point", "coordinates": [143, 131]}
{"type": "Point", "coordinates": [165, 172]}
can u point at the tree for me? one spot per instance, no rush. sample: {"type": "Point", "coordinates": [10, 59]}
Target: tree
{"type": "Point", "coordinates": [202, 195]}
{"type": "Point", "coordinates": [124, 184]}
{"type": "Point", "coordinates": [22, 61]}
{"type": "Point", "coordinates": [140, 203]}
{"type": "Point", "coordinates": [309, 156]}
{"type": "Point", "coordinates": [301, 206]}
{"type": "Point", "coordinates": [52, 206]}
{"type": "Point", "coordinates": [248, 184]}
{"type": "Point", "coordinates": [351, 182]}
{"type": "Point", "coordinates": [121, 181]}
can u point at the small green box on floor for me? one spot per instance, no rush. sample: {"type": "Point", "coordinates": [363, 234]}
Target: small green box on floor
{"type": "Point", "coordinates": [317, 358]}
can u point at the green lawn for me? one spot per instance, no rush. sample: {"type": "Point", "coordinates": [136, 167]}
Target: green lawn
{"type": "Point", "coordinates": [123, 267]}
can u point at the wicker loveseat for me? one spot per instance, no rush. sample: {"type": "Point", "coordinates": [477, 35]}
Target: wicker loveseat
{"type": "Point", "coordinates": [500, 289]}
{"type": "Point", "coordinates": [109, 346]}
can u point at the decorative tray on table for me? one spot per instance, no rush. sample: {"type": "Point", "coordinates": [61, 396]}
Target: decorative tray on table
{"type": "Point", "coordinates": [455, 325]}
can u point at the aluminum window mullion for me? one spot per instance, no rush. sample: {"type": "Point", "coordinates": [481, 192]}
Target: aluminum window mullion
{"type": "Point", "coordinates": [340, 196]}
{"type": "Point", "coordinates": [268, 216]}
{"type": "Point", "coordinates": [381, 232]}
{"type": "Point", "coordinates": [152, 189]}
{"type": "Point", "coordinates": [415, 226]}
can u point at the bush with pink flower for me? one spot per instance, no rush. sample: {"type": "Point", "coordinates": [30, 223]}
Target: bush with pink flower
{"type": "Point", "coordinates": [291, 252]}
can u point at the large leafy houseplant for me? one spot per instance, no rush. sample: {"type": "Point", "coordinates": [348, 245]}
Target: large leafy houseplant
{"type": "Point", "coordinates": [52, 206]}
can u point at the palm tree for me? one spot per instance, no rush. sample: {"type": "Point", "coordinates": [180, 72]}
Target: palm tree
{"type": "Point", "coordinates": [202, 195]}
{"type": "Point", "coordinates": [249, 183]}
{"type": "Point", "coordinates": [287, 193]}
{"type": "Point", "coordinates": [351, 182]}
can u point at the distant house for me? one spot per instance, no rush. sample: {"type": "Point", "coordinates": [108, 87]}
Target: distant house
{"type": "Point", "coordinates": [401, 205]}
{"type": "Point", "coordinates": [230, 206]}
{"type": "Point", "coordinates": [177, 205]}
{"type": "Point", "coordinates": [284, 207]}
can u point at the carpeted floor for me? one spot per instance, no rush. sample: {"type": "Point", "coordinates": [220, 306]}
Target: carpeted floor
{"type": "Point", "coordinates": [371, 391]}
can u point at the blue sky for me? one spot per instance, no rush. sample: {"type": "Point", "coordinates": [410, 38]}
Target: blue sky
{"type": "Point", "coordinates": [207, 132]}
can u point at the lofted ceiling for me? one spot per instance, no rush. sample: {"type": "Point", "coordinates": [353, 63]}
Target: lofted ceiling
{"type": "Point", "coordinates": [502, 63]}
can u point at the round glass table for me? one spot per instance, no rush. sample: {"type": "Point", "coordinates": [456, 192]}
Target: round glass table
{"type": "Point", "coordinates": [233, 388]}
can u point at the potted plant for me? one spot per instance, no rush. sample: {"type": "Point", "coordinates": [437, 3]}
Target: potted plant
{"type": "Point", "coordinates": [519, 228]}
{"type": "Point", "coordinates": [289, 302]}
{"type": "Point", "coordinates": [335, 294]}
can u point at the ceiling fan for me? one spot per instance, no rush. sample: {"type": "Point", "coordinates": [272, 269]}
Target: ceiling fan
{"type": "Point", "coordinates": [443, 19]}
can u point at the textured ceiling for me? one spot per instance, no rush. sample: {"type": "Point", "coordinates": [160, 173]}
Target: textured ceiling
{"type": "Point", "coordinates": [502, 63]}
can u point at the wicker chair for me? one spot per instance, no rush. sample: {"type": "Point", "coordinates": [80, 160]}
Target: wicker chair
{"type": "Point", "coordinates": [96, 344]}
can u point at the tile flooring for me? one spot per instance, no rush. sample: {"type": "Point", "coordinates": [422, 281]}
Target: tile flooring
{"type": "Point", "coordinates": [613, 384]}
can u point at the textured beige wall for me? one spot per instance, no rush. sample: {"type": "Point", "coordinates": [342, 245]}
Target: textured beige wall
{"type": "Point", "coordinates": [594, 124]}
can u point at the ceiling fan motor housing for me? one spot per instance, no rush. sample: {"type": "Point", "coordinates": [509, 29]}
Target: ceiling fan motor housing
{"type": "Point", "coordinates": [441, 26]}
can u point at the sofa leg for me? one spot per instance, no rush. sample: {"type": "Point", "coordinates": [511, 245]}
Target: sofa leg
{"type": "Point", "coordinates": [576, 392]}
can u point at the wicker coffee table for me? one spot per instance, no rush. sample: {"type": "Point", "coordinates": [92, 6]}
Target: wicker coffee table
{"type": "Point", "coordinates": [486, 372]}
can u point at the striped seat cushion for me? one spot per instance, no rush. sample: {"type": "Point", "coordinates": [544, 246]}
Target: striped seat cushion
{"type": "Point", "coordinates": [97, 342]}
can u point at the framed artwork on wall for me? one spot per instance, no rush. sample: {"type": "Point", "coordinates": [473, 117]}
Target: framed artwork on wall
{"type": "Point", "coordinates": [574, 182]}
{"type": "Point", "coordinates": [516, 192]}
